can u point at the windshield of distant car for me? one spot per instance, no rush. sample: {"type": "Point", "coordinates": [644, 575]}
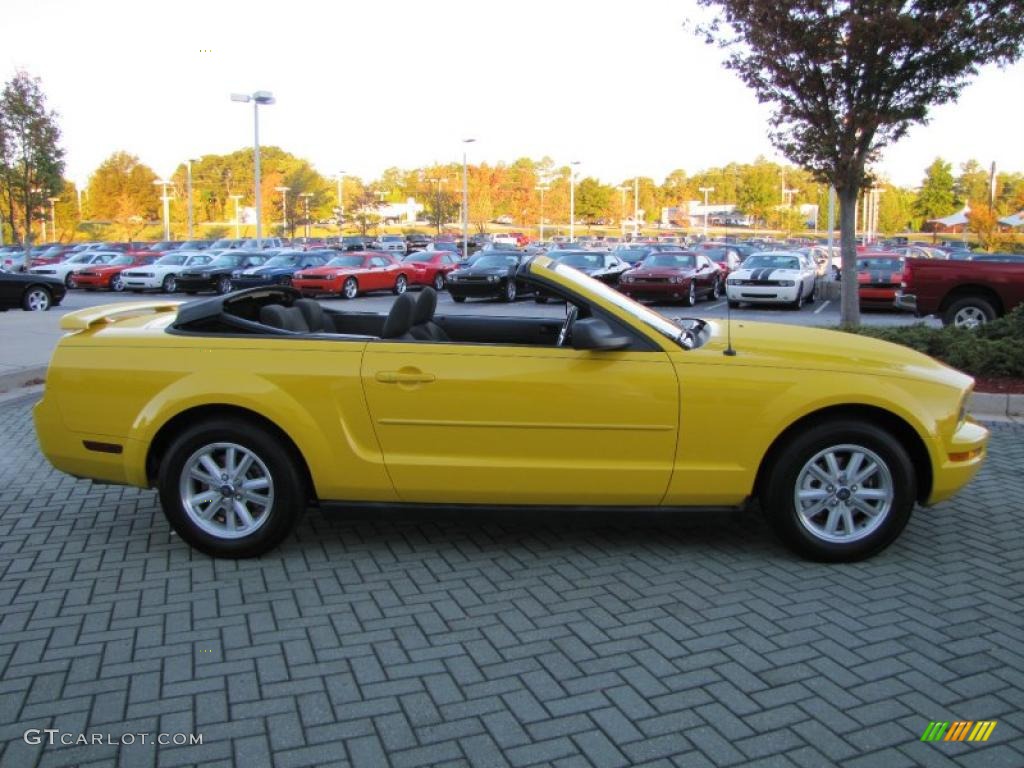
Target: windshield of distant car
{"type": "Point", "coordinates": [497, 260]}
{"type": "Point", "coordinates": [345, 261]}
{"type": "Point", "coordinates": [80, 258]}
{"type": "Point", "coordinates": [285, 260]}
{"type": "Point", "coordinates": [446, 245]}
{"type": "Point", "coordinates": [676, 260]}
{"type": "Point", "coordinates": [119, 260]}
{"type": "Point", "coordinates": [195, 260]}
{"type": "Point", "coordinates": [392, 239]}
{"type": "Point", "coordinates": [228, 260]}
{"type": "Point", "coordinates": [584, 260]}
{"type": "Point", "coordinates": [771, 261]}
{"type": "Point", "coordinates": [417, 256]}
{"type": "Point", "coordinates": [171, 260]}
{"type": "Point", "coordinates": [889, 264]}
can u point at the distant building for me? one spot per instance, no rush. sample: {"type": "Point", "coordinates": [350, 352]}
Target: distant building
{"type": "Point", "coordinates": [394, 213]}
{"type": "Point", "coordinates": [691, 214]}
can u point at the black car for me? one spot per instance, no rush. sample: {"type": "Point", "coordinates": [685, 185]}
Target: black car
{"type": "Point", "coordinates": [355, 243]}
{"type": "Point", "coordinates": [600, 265]}
{"type": "Point", "coordinates": [493, 275]}
{"type": "Point", "coordinates": [34, 293]}
{"type": "Point", "coordinates": [279, 268]}
{"type": "Point", "coordinates": [416, 242]}
{"type": "Point", "coordinates": [216, 276]}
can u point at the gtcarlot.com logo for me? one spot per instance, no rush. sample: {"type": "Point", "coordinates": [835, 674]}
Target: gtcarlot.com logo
{"type": "Point", "coordinates": [55, 737]}
{"type": "Point", "coordinates": [961, 730]}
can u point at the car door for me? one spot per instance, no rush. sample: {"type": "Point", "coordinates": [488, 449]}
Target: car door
{"type": "Point", "coordinates": [495, 423]}
{"type": "Point", "coordinates": [382, 271]}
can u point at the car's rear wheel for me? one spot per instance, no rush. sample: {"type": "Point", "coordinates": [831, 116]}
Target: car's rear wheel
{"type": "Point", "coordinates": [230, 489]}
{"type": "Point", "coordinates": [969, 312]}
{"type": "Point", "coordinates": [841, 491]}
{"type": "Point", "coordinates": [458, 299]}
{"type": "Point", "coordinates": [401, 283]}
{"type": "Point", "coordinates": [350, 289]}
{"type": "Point", "coordinates": [734, 304]}
{"type": "Point", "coordinates": [439, 281]}
{"type": "Point", "coordinates": [170, 284]}
{"type": "Point", "coordinates": [540, 299]}
{"type": "Point", "coordinates": [117, 283]}
{"type": "Point", "coordinates": [36, 299]}
{"type": "Point", "coordinates": [223, 284]}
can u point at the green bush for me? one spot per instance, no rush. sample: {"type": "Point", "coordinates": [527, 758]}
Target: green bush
{"type": "Point", "coordinates": [995, 349]}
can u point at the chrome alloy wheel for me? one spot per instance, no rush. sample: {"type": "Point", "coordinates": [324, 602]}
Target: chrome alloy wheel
{"type": "Point", "coordinates": [226, 490]}
{"type": "Point", "coordinates": [969, 317]}
{"type": "Point", "coordinates": [843, 493]}
{"type": "Point", "coordinates": [37, 300]}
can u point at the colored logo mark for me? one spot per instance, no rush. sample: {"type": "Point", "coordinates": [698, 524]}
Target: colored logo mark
{"type": "Point", "coordinates": [961, 730]}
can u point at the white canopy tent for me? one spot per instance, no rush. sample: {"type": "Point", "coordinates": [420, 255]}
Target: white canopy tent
{"type": "Point", "coordinates": [1017, 220]}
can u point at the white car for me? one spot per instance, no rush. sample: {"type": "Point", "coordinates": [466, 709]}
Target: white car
{"type": "Point", "coordinates": [772, 277]}
{"type": "Point", "coordinates": [162, 274]}
{"type": "Point", "coordinates": [66, 269]}
{"type": "Point", "coordinates": [504, 239]}
{"type": "Point", "coordinates": [390, 244]}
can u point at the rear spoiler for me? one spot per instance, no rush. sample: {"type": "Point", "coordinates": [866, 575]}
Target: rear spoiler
{"type": "Point", "coordinates": [84, 319]}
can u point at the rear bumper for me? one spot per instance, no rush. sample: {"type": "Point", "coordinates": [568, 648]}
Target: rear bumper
{"type": "Point", "coordinates": [906, 301]}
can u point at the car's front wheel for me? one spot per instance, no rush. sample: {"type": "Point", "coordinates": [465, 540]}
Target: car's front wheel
{"type": "Point", "coordinates": [223, 284]}
{"type": "Point", "coordinates": [401, 283]}
{"type": "Point", "coordinates": [117, 283]}
{"type": "Point", "coordinates": [69, 280]}
{"type": "Point", "coordinates": [841, 491]}
{"type": "Point", "coordinates": [36, 299]}
{"type": "Point", "coordinates": [691, 295]}
{"type": "Point", "coordinates": [458, 299]}
{"type": "Point", "coordinates": [230, 489]}
{"type": "Point", "coordinates": [170, 284]}
{"type": "Point", "coordinates": [439, 281]}
{"type": "Point", "coordinates": [511, 291]}
{"type": "Point", "coordinates": [716, 289]}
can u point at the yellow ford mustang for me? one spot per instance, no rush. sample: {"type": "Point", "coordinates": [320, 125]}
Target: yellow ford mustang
{"type": "Point", "coordinates": [243, 409]}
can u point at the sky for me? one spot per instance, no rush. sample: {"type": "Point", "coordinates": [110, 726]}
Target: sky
{"type": "Point", "coordinates": [621, 87]}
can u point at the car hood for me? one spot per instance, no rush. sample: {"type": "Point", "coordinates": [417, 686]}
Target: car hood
{"type": "Point", "coordinates": [787, 346]}
{"type": "Point", "coordinates": [661, 272]}
{"type": "Point", "coordinates": [765, 273]}
{"type": "Point", "coordinates": [268, 271]}
{"type": "Point", "coordinates": [472, 272]}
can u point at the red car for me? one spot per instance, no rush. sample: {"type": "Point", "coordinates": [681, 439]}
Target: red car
{"type": "Point", "coordinates": [878, 278]}
{"type": "Point", "coordinates": [674, 276]}
{"type": "Point", "coordinates": [108, 275]}
{"type": "Point", "coordinates": [355, 272]}
{"type": "Point", "coordinates": [433, 267]}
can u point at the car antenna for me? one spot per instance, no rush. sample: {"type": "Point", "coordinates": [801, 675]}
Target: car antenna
{"type": "Point", "coordinates": [729, 351]}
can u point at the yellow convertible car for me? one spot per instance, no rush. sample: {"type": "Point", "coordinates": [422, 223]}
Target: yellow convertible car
{"type": "Point", "coordinates": [244, 409]}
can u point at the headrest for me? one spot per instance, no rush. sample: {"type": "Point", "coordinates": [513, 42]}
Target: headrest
{"type": "Point", "coordinates": [425, 306]}
{"type": "Point", "coordinates": [312, 313]}
{"type": "Point", "coordinates": [400, 318]}
{"type": "Point", "coordinates": [285, 318]}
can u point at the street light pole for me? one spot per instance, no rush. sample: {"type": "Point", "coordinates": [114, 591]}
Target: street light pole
{"type": "Point", "coordinates": [53, 216]}
{"type": "Point", "coordinates": [706, 191]}
{"type": "Point", "coordinates": [238, 232]}
{"type": "Point", "coordinates": [636, 204]}
{"type": "Point", "coordinates": [163, 183]}
{"type": "Point", "coordinates": [622, 214]}
{"type": "Point", "coordinates": [284, 209]}
{"type": "Point", "coordinates": [341, 201]}
{"type": "Point", "coordinates": [257, 98]}
{"type": "Point", "coordinates": [572, 201]}
{"type": "Point", "coordinates": [542, 189]}
{"type": "Point", "coordinates": [188, 184]}
{"type": "Point", "coordinates": [465, 202]}
{"type": "Point", "coordinates": [305, 200]}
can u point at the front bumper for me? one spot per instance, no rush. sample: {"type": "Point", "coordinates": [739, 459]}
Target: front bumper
{"type": "Point", "coordinates": [654, 291]}
{"type": "Point", "coordinates": [907, 301]}
{"type": "Point", "coordinates": [256, 281]}
{"type": "Point", "coordinates": [144, 283]}
{"type": "Point", "coordinates": [197, 283]}
{"type": "Point", "coordinates": [961, 458]}
{"type": "Point", "coordinates": [476, 290]}
{"type": "Point", "coordinates": [318, 287]}
{"type": "Point", "coordinates": [762, 294]}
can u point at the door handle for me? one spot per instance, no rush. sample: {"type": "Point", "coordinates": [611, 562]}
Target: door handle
{"type": "Point", "coordinates": [400, 377]}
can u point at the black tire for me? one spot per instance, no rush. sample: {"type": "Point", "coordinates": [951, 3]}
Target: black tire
{"type": "Point", "coordinates": [969, 312]}
{"type": "Point", "coordinates": [401, 285]}
{"type": "Point", "coordinates": [350, 289]}
{"type": "Point", "coordinates": [783, 475]}
{"type": "Point", "coordinates": [691, 295]}
{"type": "Point", "coordinates": [69, 280]}
{"type": "Point", "coordinates": [511, 291]}
{"type": "Point", "coordinates": [458, 299]}
{"type": "Point", "coordinates": [540, 299]}
{"type": "Point", "coordinates": [439, 281]}
{"type": "Point", "coordinates": [117, 283]}
{"type": "Point", "coordinates": [798, 303]}
{"type": "Point", "coordinates": [191, 293]}
{"type": "Point", "coordinates": [223, 285]}
{"type": "Point", "coordinates": [170, 284]}
{"type": "Point", "coordinates": [282, 470]}
{"type": "Point", "coordinates": [734, 304]}
{"type": "Point", "coordinates": [716, 290]}
{"type": "Point", "coordinates": [37, 299]}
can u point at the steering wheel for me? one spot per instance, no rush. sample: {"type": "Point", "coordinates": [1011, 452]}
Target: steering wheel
{"type": "Point", "coordinates": [570, 318]}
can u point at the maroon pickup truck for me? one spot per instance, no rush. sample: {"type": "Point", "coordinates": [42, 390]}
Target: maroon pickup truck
{"type": "Point", "coordinates": [962, 293]}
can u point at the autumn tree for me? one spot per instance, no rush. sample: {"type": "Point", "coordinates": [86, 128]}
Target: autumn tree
{"type": "Point", "coordinates": [122, 192]}
{"type": "Point", "coordinates": [972, 185]}
{"type": "Point", "coordinates": [362, 209]}
{"type": "Point", "coordinates": [849, 78]}
{"type": "Point", "coordinates": [31, 158]}
{"type": "Point", "coordinates": [593, 201]}
{"type": "Point", "coordinates": [985, 224]}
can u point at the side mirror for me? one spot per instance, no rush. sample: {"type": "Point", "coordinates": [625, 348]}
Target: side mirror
{"type": "Point", "coordinates": [594, 333]}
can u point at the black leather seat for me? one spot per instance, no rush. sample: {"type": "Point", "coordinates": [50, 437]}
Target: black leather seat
{"type": "Point", "coordinates": [423, 326]}
{"type": "Point", "coordinates": [285, 318]}
{"type": "Point", "coordinates": [314, 315]}
{"type": "Point", "coordinates": [399, 319]}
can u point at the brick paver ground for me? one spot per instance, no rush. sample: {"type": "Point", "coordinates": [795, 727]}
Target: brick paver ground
{"type": "Point", "coordinates": [511, 639]}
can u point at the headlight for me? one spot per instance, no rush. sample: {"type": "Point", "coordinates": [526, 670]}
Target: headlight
{"type": "Point", "coordinates": [733, 281]}
{"type": "Point", "coordinates": [627, 278]}
{"type": "Point", "coordinates": [786, 283]}
{"type": "Point", "coordinates": [493, 278]}
{"type": "Point", "coordinates": [331, 276]}
{"type": "Point", "coordinates": [675, 279]}
{"type": "Point", "coordinates": [237, 273]}
{"type": "Point", "coordinates": [452, 277]}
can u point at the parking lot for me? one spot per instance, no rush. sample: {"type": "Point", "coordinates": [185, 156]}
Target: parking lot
{"type": "Point", "coordinates": [509, 638]}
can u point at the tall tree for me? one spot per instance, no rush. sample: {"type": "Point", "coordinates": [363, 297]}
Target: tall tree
{"type": "Point", "coordinates": [122, 192]}
{"type": "Point", "coordinates": [31, 158]}
{"type": "Point", "coordinates": [972, 184]}
{"type": "Point", "coordinates": [593, 201]}
{"type": "Point", "coordinates": [936, 198]}
{"type": "Point", "coordinates": [848, 78]}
